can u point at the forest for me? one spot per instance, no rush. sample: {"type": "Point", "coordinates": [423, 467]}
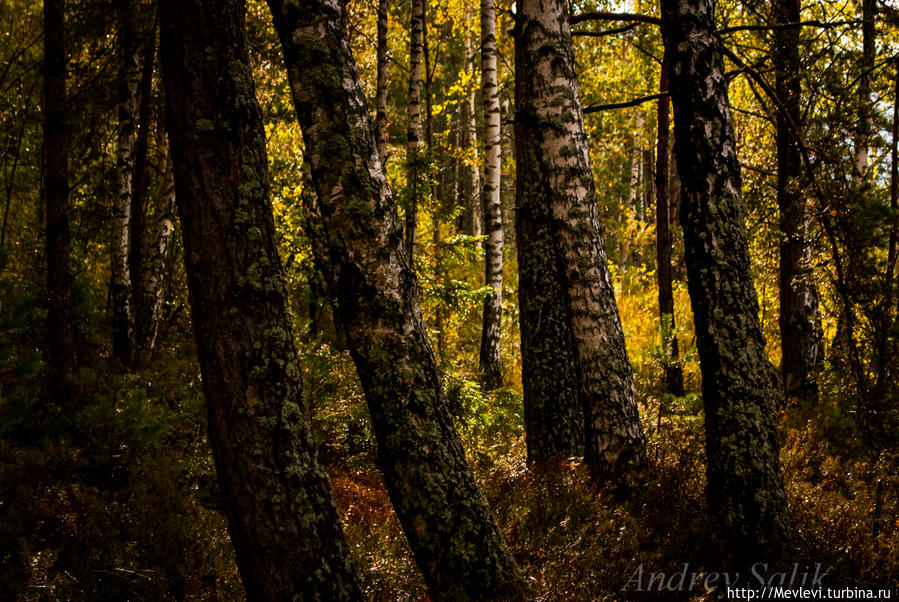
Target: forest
{"type": "Point", "coordinates": [395, 300]}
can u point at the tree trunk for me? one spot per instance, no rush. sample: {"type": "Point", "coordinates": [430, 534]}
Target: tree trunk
{"type": "Point", "coordinates": [358, 244]}
{"type": "Point", "coordinates": [472, 163]}
{"type": "Point", "coordinates": [635, 190]}
{"type": "Point", "coordinates": [674, 376]}
{"type": "Point", "coordinates": [745, 491]}
{"type": "Point", "coordinates": [865, 106]}
{"type": "Point", "coordinates": [144, 328]}
{"type": "Point", "coordinates": [60, 338]}
{"type": "Point", "coordinates": [282, 517]}
{"type": "Point", "coordinates": [130, 49]}
{"type": "Point", "coordinates": [799, 331]}
{"type": "Point", "coordinates": [414, 141]}
{"type": "Point", "coordinates": [381, 90]}
{"type": "Point", "coordinates": [489, 362]}
{"type": "Point", "coordinates": [565, 286]}
{"type": "Point", "coordinates": [151, 290]}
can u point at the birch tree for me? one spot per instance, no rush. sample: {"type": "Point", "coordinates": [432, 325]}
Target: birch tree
{"type": "Point", "coordinates": [745, 491]}
{"type": "Point", "coordinates": [129, 77]}
{"type": "Point", "coordinates": [571, 335]}
{"type": "Point", "coordinates": [493, 217]}
{"type": "Point", "coordinates": [358, 244]}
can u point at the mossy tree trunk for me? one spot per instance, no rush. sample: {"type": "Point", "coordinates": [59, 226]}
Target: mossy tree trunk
{"type": "Point", "coordinates": [358, 243]}
{"type": "Point", "coordinates": [491, 328]}
{"type": "Point", "coordinates": [282, 517]}
{"type": "Point", "coordinates": [60, 336]}
{"type": "Point", "coordinates": [799, 329]}
{"type": "Point", "coordinates": [674, 375]}
{"type": "Point", "coordinates": [574, 362]}
{"type": "Point", "coordinates": [745, 491]}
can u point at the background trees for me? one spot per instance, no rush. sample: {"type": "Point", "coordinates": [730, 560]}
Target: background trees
{"type": "Point", "coordinates": [107, 480]}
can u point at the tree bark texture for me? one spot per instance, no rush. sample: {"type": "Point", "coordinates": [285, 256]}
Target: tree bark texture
{"type": "Point", "coordinates": [358, 243]}
{"type": "Point", "coordinates": [674, 375]}
{"type": "Point", "coordinates": [60, 336]}
{"type": "Point", "coordinates": [282, 517]}
{"type": "Point", "coordinates": [745, 491]}
{"type": "Point", "coordinates": [130, 49]}
{"type": "Point", "coordinates": [489, 360]}
{"type": "Point", "coordinates": [414, 139]}
{"type": "Point", "coordinates": [381, 90]}
{"type": "Point", "coordinates": [566, 296]}
{"type": "Point", "coordinates": [799, 328]}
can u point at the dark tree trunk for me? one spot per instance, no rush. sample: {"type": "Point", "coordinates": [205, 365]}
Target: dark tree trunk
{"type": "Point", "coordinates": [674, 375]}
{"type": "Point", "coordinates": [60, 337]}
{"type": "Point", "coordinates": [358, 243]}
{"type": "Point", "coordinates": [799, 330]}
{"type": "Point", "coordinates": [491, 326]}
{"type": "Point", "coordinates": [282, 517]}
{"type": "Point", "coordinates": [745, 491]}
{"type": "Point", "coordinates": [865, 106]}
{"type": "Point", "coordinates": [144, 328]}
{"type": "Point", "coordinates": [414, 140]}
{"type": "Point", "coordinates": [381, 90]}
{"type": "Point", "coordinates": [573, 354]}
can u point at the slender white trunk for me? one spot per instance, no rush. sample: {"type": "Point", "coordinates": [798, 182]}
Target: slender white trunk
{"type": "Point", "coordinates": [493, 217]}
{"type": "Point", "coordinates": [129, 80]}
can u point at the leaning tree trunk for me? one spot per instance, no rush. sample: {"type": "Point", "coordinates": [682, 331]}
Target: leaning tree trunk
{"type": "Point", "coordinates": [381, 90]}
{"type": "Point", "coordinates": [674, 375]}
{"type": "Point", "coordinates": [414, 140]}
{"type": "Point", "coordinates": [799, 332]}
{"type": "Point", "coordinates": [358, 244]}
{"type": "Point", "coordinates": [493, 215]}
{"type": "Point", "coordinates": [60, 338]}
{"type": "Point", "coordinates": [745, 492]}
{"type": "Point", "coordinates": [129, 78]}
{"type": "Point", "coordinates": [282, 517]}
{"type": "Point", "coordinates": [566, 295]}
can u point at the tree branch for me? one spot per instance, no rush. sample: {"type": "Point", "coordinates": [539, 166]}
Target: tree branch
{"type": "Point", "coordinates": [608, 16]}
{"type": "Point", "coordinates": [594, 108]}
{"type": "Point", "coordinates": [607, 32]}
{"type": "Point", "coordinates": [780, 26]}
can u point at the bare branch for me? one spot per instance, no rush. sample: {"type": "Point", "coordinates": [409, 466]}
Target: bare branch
{"type": "Point", "coordinates": [623, 105]}
{"type": "Point", "coordinates": [606, 32]}
{"type": "Point", "coordinates": [608, 16]}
